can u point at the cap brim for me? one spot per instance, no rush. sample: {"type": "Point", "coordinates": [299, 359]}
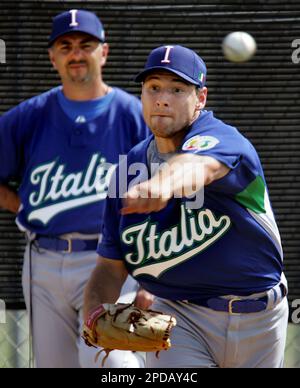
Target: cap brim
{"type": "Point", "coordinates": [73, 30]}
{"type": "Point", "coordinates": [142, 75]}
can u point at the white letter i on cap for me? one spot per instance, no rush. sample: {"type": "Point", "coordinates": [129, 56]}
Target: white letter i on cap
{"type": "Point", "coordinates": [167, 60]}
{"type": "Point", "coordinates": [74, 23]}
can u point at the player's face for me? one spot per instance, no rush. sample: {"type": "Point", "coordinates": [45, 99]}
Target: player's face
{"type": "Point", "coordinates": [170, 105]}
{"type": "Point", "coordinates": [78, 57]}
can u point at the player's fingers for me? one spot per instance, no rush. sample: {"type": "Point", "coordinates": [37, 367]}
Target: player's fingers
{"type": "Point", "coordinates": [144, 208]}
{"type": "Point", "coordinates": [135, 210]}
{"type": "Point", "coordinates": [125, 211]}
{"type": "Point", "coordinates": [133, 193]}
{"type": "Point", "coordinates": [132, 206]}
{"type": "Point", "coordinates": [144, 299]}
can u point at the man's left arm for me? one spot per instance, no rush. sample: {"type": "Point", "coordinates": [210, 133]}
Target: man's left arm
{"type": "Point", "coordinates": [182, 176]}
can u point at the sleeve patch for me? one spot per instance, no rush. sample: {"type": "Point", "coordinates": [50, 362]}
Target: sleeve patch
{"type": "Point", "coordinates": [200, 143]}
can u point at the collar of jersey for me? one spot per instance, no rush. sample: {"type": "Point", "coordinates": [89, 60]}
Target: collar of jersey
{"type": "Point", "coordinates": [90, 109]}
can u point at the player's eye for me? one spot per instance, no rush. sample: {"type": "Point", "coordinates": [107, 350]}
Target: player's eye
{"type": "Point", "coordinates": [65, 48]}
{"type": "Point", "coordinates": [178, 90]}
{"type": "Point", "coordinates": [154, 88]}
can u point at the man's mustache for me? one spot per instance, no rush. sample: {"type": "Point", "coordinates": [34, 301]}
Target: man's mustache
{"type": "Point", "coordinates": [77, 63]}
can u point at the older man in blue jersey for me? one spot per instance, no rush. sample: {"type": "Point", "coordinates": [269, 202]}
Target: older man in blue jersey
{"type": "Point", "coordinates": [216, 267]}
{"type": "Point", "coordinates": [63, 146]}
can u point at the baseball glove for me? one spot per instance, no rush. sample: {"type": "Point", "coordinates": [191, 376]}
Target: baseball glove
{"type": "Point", "coordinates": [125, 327]}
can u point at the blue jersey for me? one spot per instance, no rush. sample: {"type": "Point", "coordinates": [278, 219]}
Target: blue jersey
{"type": "Point", "coordinates": [229, 246]}
{"type": "Point", "coordinates": [64, 165]}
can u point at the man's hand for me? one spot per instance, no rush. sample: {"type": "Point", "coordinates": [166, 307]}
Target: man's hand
{"type": "Point", "coordinates": [9, 200]}
{"type": "Point", "coordinates": [144, 299]}
{"type": "Point", "coordinates": [146, 197]}
{"type": "Point", "coordinates": [104, 285]}
{"type": "Point", "coordinates": [182, 177]}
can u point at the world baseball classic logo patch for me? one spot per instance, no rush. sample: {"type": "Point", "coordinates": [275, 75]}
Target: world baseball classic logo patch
{"type": "Point", "coordinates": [200, 143]}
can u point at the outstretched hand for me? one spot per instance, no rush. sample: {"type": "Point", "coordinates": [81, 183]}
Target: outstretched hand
{"type": "Point", "coordinates": [146, 197]}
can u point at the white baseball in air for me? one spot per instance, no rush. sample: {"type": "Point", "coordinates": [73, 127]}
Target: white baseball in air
{"type": "Point", "coordinates": [239, 46]}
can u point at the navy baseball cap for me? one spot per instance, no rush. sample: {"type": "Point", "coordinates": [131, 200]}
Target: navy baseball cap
{"type": "Point", "coordinates": [77, 20]}
{"type": "Point", "coordinates": [178, 60]}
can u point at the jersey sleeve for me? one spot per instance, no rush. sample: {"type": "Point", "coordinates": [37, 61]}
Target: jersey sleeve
{"type": "Point", "coordinates": [11, 153]}
{"type": "Point", "coordinates": [235, 152]}
{"type": "Point", "coordinates": [110, 245]}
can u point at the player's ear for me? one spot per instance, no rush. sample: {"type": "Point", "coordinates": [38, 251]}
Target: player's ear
{"type": "Point", "coordinates": [142, 91]}
{"type": "Point", "coordinates": [142, 88]}
{"type": "Point", "coordinates": [51, 57]}
{"type": "Point", "coordinates": [201, 98]}
{"type": "Point", "coordinates": [105, 52]}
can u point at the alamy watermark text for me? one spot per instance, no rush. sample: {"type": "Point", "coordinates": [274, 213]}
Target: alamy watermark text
{"type": "Point", "coordinates": [2, 51]}
{"type": "Point", "coordinates": [296, 52]}
{"type": "Point", "coordinates": [2, 311]}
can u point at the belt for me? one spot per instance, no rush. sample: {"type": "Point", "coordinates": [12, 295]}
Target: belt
{"type": "Point", "coordinates": [66, 245]}
{"type": "Point", "coordinates": [238, 305]}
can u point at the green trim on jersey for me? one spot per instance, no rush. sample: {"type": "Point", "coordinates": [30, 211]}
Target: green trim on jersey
{"type": "Point", "coordinates": [256, 200]}
{"type": "Point", "coordinates": [253, 197]}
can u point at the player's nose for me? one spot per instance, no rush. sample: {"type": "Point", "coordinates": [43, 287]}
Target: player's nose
{"type": "Point", "coordinates": [76, 52]}
{"type": "Point", "coordinates": [162, 100]}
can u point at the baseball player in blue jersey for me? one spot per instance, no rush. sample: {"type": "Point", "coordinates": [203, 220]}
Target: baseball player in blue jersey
{"type": "Point", "coordinates": [63, 146]}
{"type": "Point", "coordinates": [214, 263]}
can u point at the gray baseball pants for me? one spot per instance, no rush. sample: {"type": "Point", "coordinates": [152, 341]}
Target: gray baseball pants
{"type": "Point", "coordinates": [204, 338]}
{"type": "Point", "coordinates": [58, 281]}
